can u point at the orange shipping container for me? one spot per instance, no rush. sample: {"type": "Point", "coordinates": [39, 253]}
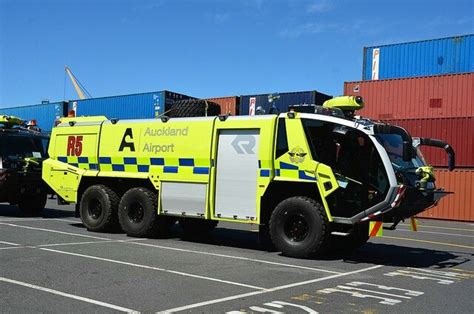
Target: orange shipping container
{"type": "Point", "coordinates": [421, 97]}
{"type": "Point", "coordinates": [229, 105]}
{"type": "Point", "coordinates": [457, 206]}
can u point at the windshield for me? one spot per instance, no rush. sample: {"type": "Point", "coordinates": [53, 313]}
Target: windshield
{"type": "Point", "coordinates": [20, 147]}
{"type": "Point", "coordinates": [393, 144]}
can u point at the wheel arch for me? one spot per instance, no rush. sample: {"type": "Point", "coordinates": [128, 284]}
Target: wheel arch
{"type": "Point", "coordinates": [278, 191]}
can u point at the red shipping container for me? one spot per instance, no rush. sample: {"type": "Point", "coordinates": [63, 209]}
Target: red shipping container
{"type": "Point", "coordinates": [457, 206]}
{"type": "Point", "coordinates": [421, 97]}
{"type": "Point", "coordinates": [458, 132]}
{"type": "Point", "coordinates": [229, 105]}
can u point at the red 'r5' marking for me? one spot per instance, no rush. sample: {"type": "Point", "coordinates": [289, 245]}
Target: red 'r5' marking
{"type": "Point", "coordinates": [74, 145]}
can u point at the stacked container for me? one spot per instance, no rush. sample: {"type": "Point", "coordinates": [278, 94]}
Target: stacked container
{"type": "Point", "coordinates": [44, 114]}
{"type": "Point", "coordinates": [229, 105]}
{"type": "Point", "coordinates": [427, 87]}
{"type": "Point", "coordinates": [134, 106]}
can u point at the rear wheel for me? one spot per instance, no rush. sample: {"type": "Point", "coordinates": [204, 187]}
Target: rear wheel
{"type": "Point", "coordinates": [32, 205]}
{"type": "Point", "coordinates": [98, 208]}
{"type": "Point", "coordinates": [138, 214]}
{"type": "Point", "coordinates": [299, 227]}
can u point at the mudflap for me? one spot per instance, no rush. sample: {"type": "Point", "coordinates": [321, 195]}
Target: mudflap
{"type": "Point", "coordinates": [414, 202]}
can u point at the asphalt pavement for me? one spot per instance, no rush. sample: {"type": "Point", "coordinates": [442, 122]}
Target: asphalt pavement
{"type": "Point", "coordinates": [53, 264]}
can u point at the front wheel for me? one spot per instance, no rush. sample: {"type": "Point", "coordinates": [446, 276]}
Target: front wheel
{"type": "Point", "coordinates": [299, 227]}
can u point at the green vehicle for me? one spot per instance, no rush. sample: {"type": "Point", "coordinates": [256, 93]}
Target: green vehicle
{"type": "Point", "coordinates": [22, 151]}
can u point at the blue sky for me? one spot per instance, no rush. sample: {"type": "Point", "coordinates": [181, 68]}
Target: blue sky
{"type": "Point", "coordinates": [204, 48]}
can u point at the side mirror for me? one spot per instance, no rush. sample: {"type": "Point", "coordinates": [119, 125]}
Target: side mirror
{"type": "Point", "coordinates": [407, 151]}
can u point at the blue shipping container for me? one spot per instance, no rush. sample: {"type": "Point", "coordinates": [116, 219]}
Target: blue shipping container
{"type": "Point", "coordinates": [44, 114]}
{"type": "Point", "coordinates": [420, 58]}
{"type": "Point", "coordinates": [281, 101]}
{"type": "Point", "coordinates": [135, 106]}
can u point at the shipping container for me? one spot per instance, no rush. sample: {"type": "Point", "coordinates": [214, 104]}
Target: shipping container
{"type": "Point", "coordinates": [229, 105]}
{"type": "Point", "coordinates": [425, 97]}
{"type": "Point", "coordinates": [134, 106]}
{"type": "Point", "coordinates": [458, 132]}
{"type": "Point", "coordinates": [45, 114]}
{"type": "Point", "coordinates": [421, 58]}
{"type": "Point", "coordinates": [280, 101]}
{"type": "Point", "coordinates": [460, 205]}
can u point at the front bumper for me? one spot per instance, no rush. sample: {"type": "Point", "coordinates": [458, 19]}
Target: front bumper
{"type": "Point", "coordinates": [413, 202]}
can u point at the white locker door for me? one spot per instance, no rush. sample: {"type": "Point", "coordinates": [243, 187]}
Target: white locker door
{"type": "Point", "coordinates": [237, 174]}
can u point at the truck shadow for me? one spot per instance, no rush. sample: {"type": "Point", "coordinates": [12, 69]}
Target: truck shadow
{"type": "Point", "coordinates": [13, 212]}
{"type": "Point", "coordinates": [404, 256]}
{"type": "Point", "coordinates": [370, 253]}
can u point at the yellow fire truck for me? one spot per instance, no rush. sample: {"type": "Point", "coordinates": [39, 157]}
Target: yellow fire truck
{"type": "Point", "coordinates": [307, 179]}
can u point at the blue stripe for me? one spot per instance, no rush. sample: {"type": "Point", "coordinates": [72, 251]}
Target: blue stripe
{"type": "Point", "coordinates": [284, 165]}
{"type": "Point", "coordinates": [157, 161]}
{"type": "Point", "coordinates": [130, 160]}
{"type": "Point", "coordinates": [143, 168]}
{"type": "Point", "coordinates": [302, 175]}
{"type": "Point", "coordinates": [74, 165]}
{"type": "Point", "coordinates": [170, 169]}
{"type": "Point", "coordinates": [277, 172]}
{"type": "Point", "coordinates": [62, 159]}
{"type": "Point", "coordinates": [83, 160]}
{"type": "Point", "coordinates": [186, 162]}
{"type": "Point", "coordinates": [105, 160]}
{"type": "Point", "coordinates": [93, 166]}
{"type": "Point", "coordinates": [264, 172]}
{"type": "Point", "coordinates": [118, 167]}
{"type": "Point", "coordinates": [201, 170]}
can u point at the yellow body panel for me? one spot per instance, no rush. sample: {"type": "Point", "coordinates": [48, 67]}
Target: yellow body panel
{"type": "Point", "coordinates": [179, 150]}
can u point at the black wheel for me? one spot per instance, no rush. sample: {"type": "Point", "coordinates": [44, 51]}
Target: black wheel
{"type": "Point", "coordinates": [348, 244]}
{"type": "Point", "coordinates": [197, 227]}
{"type": "Point", "coordinates": [138, 214]}
{"type": "Point", "coordinates": [194, 108]}
{"type": "Point", "coordinates": [32, 205]}
{"type": "Point", "coordinates": [299, 227]}
{"type": "Point", "coordinates": [98, 208]}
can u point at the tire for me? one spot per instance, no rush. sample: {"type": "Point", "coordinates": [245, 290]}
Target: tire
{"type": "Point", "coordinates": [138, 214]}
{"type": "Point", "coordinates": [32, 205]}
{"type": "Point", "coordinates": [197, 227]}
{"type": "Point", "coordinates": [194, 108]}
{"type": "Point", "coordinates": [346, 245]}
{"type": "Point", "coordinates": [299, 227]}
{"type": "Point", "coordinates": [98, 208]}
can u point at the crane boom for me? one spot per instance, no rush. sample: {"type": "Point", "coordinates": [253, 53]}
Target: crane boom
{"type": "Point", "coordinates": [81, 92]}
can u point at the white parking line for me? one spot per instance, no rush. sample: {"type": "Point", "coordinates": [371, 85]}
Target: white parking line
{"type": "Point", "coordinates": [19, 246]}
{"type": "Point", "coordinates": [54, 231]}
{"type": "Point", "coordinates": [239, 258]}
{"type": "Point", "coordinates": [9, 243]}
{"type": "Point", "coordinates": [67, 295]}
{"type": "Point", "coordinates": [442, 233]}
{"type": "Point", "coordinates": [249, 294]}
{"type": "Point", "coordinates": [155, 268]}
{"type": "Point", "coordinates": [38, 219]}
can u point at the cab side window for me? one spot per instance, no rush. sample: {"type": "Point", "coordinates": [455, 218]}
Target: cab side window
{"type": "Point", "coordinates": [320, 137]}
{"type": "Point", "coordinates": [282, 141]}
